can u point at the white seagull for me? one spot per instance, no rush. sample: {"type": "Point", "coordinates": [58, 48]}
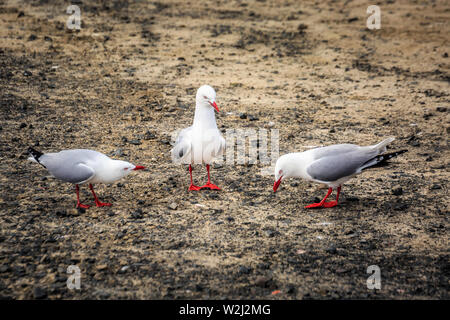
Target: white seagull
{"type": "Point", "coordinates": [201, 142]}
{"type": "Point", "coordinates": [81, 166]}
{"type": "Point", "coordinates": [332, 165]}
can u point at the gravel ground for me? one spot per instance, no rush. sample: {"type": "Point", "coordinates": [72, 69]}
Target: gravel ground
{"type": "Point", "coordinates": [124, 82]}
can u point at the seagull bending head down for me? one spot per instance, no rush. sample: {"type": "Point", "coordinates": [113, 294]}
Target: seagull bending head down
{"type": "Point", "coordinates": [332, 165]}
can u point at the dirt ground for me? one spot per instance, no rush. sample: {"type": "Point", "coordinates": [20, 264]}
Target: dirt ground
{"type": "Point", "coordinates": [312, 69]}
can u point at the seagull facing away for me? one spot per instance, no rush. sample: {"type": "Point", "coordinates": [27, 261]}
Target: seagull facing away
{"type": "Point", "coordinates": [332, 165]}
{"type": "Point", "coordinates": [81, 166]}
{"type": "Point", "coordinates": [201, 142]}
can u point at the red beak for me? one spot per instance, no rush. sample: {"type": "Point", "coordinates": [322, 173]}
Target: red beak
{"type": "Point", "coordinates": [277, 184]}
{"type": "Point", "coordinates": [214, 104]}
{"type": "Point", "coordinates": [139, 168]}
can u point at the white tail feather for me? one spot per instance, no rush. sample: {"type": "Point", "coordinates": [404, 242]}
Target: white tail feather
{"type": "Point", "coordinates": [381, 147]}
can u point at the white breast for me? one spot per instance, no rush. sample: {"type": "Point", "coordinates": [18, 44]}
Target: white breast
{"type": "Point", "coordinates": [105, 171]}
{"type": "Point", "coordinates": [206, 144]}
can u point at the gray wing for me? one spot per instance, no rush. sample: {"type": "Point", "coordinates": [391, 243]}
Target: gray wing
{"type": "Point", "coordinates": [182, 147]}
{"type": "Point", "coordinates": [77, 173]}
{"type": "Point", "coordinates": [334, 150]}
{"type": "Point", "coordinates": [334, 167]}
{"type": "Point", "coordinates": [69, 165]}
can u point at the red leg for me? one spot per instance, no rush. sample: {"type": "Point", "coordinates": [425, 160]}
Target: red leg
{"type": "Point", "coordinates": [192, 186]}
{"type": "Point", "coordinates": [333, 203]}
{"type": "Point", "coordinates": [79, 204]}
{"type": "Point", "coordinates": [324, 204]}
{"type": "Point", "coordinates": [209, 185]}
{"type": "Point", "coordinates": [320, 204]}
{"type": "Point", "coordinates": [97, 202]}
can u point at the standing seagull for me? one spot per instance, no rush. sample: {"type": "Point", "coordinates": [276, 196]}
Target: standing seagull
{"type": "Point", "coordinates": [201, 142]}
{"type": "Point", "coordinates": [81, 166]}
{"type": "Point", "coordinates": [332, 165]}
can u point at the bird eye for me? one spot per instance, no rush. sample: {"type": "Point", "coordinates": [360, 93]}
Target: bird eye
{"type": "Point", "coordinates": [125, 168]}
{"type": "Point", "coordinates": [205, 97]}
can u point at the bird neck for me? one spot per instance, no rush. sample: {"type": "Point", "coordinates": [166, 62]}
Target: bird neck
{"type": "Point", "coordinates": [113, 170]}
{"type": "Point", "coordinates": [296, 164]}
{"type": "Point", "coordinates": [204, 116]}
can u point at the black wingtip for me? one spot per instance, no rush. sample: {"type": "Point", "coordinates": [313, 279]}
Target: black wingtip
{"type": "Point", "coordinates": [34, 153]}
{"type": "Point", "coordinates": [383, 159]}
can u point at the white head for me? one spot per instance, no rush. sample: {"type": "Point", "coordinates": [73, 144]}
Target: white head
{"type": "Point", "coordinates": [206, 96]}
{"type": "Point", "coordinates": [121, 169]}
{"type": "Point", "coordinates": [285, 167]}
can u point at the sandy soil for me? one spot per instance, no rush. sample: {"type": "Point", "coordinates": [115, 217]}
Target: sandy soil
{"type": "Point", "coordinates": [127, 80]}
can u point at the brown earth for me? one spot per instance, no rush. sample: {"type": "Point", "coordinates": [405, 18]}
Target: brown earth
{"type": "Point", "coordinates": [124, 82]}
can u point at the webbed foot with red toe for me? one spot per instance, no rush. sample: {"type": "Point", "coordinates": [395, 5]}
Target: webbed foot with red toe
{"type": "Point", "coordinates": [194, 188]}
{"type": "Point", "coordinates": [102, 204]}
{"type": "Point", "coordinates": [314, 205]}
{"type": "Point", "coordinates": [210, 186]}
{"type": "Point", "coordinates": [323, 204]}
{"type": "Point", "coordinates": [330, 204]}
{"type": "Point", "coordinates": [83, 206]}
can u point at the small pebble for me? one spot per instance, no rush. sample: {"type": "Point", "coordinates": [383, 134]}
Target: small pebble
{"type": "Point", "coordinates": [397, 191]}
{"type": "Point", "coordinates": [173, 206]}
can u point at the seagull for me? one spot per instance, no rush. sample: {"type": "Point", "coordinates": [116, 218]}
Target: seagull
{"type": "Point", "coordinates": [201, 142]}
{"type": "Point", "coordinates": [81, 166]}
{"type": "Point", "coordinates": [332, 165]}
